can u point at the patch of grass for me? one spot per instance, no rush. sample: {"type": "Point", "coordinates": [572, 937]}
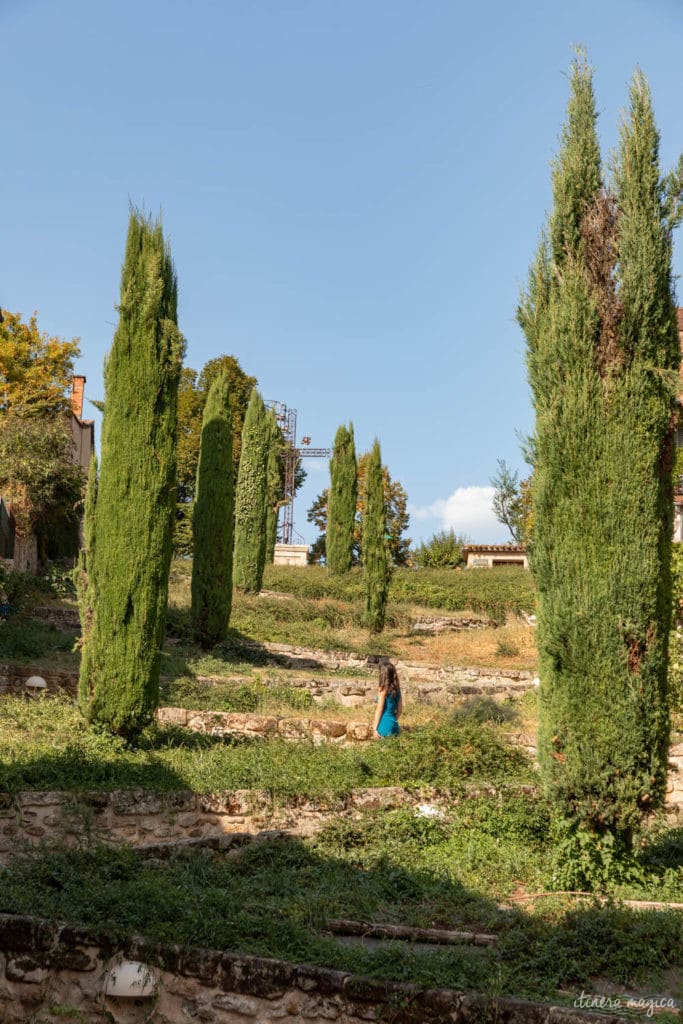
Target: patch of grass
{"type": "Point", "coordinates": [45, 744]}
{"type": "Point", "coordinates": [24, 640]}
{"type": "Point", "coordinates": [495, 592]}
{"type": "Point", "coordinates": [234, 696]}
{"type": "Point", "coordinates": [506, 649]}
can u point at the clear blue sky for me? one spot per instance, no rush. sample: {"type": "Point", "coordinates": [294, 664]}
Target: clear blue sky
{"type": "Point", "coordinates": [353, 190]}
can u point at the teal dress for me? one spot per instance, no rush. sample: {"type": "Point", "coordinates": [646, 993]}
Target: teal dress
{"type": "Point", "coordinates": [388, 723]}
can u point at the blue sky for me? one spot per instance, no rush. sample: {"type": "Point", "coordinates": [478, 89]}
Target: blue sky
{"type": "Point", "coordinates": [353, 190]}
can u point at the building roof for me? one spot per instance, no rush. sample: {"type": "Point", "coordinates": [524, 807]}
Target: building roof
{"type": "Point", "coordinates": [515, 549]}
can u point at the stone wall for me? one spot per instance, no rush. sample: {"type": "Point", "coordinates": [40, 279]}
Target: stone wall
{"type": "Point", "coordinates": [233, 723]}
{"type": "Point", "coordinates": [13, 680]}
{"type": "Point", "coordinates": [428, 684]}
{"type": "Point", "coordinates": [54, 972]}
{"type": "Point", "coordinates": [141, 817]}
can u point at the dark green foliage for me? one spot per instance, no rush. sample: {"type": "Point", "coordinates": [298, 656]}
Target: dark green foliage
{"type": "Point", "coordinates": [131, 553]}
{"type": "Point", "coordinates": [343, 493]}
{"type": "Point", "coordinates": [85, 590]}
{"type": "Point", "coordinates": [274, 484]}
{"type": "Point", "coordinates": [600, 324]}
{"type": "Point", "coordinates": [376, 568]}
{"type": "Point", "coordinates": [212, 520]}
{"type": "Point", "coordinates": [443, 550]}
{"type": "Point", "coordinates": [251, 498]}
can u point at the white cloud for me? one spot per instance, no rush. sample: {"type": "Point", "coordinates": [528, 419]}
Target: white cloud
{"type": "Point", "coordinates": [467, 510]}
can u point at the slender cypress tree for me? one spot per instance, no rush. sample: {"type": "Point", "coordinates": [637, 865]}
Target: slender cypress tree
{"type": "Point", "coordinates": [136, 491]}
{"type": "Point", "coordinates": [274, 481]}
{"type": "Point", "coordinates": [341, 513]}
{"type": "Point", "coordinates": [375, 555]}
{"type": "Point", "coordinates": [84, 576]}
{"type": "Point", "coordinates": [600, 326]}
{"type": "Point", "coordinates": [251, 498]}
{"type": "Point", "coordinates": [212, 520]}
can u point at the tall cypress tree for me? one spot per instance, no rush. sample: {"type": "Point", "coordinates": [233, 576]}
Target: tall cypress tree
{"type": "Point", "coordinates": [212, 520]}
{"type": "Point", "coordinates": [375, 555]}
{"type": "Point", "coordinates": [136, 491]}
{"type": "Point", "coordinates": [251, 498]}
{"type": "Point", "coordinates": [600, 357]}
{"type": "Point", "coordinates": [274, 484]}
{"type": "Point", "coordinates": [84, 574]}
{"type": "Point", "coordinates": [341, 513]}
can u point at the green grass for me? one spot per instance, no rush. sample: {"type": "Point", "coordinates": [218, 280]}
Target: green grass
{"type": "Point", "coordinates": [493, 592]}
{"type": "Point", "coordinates": [23, 640]}
{"type": "Point", "coordinates": [45, 744]}
{"type": "Point", "coordinates": [252, 696]}
{"type": "Point", "coordinates": [397, 867]}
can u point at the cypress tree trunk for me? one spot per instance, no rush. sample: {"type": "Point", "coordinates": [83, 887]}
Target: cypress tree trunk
{"type": "Point", "coordinates": [375, 556]}
{"type": "Point", "coordinates": [601, 485]}
{"type": "Point", "coordinates": [136, 492]}
{"type": "Point", "coordinates": [341, 513]}
{"type": "Point", "coordinates": [250, 499]}
{"type": "Point", "coordinates": [212, 521]}
{"type": "Point", "coordinates": [274, 484]}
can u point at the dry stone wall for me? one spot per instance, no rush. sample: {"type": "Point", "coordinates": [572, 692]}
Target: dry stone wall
{"type": "Point", "coordinates": [52, 972]}
{"type": "Point", "coordinates": [142, 817]}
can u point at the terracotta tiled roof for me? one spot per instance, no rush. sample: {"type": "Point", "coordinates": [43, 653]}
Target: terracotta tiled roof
{"type": "Point", "coordinates": [516, 549]}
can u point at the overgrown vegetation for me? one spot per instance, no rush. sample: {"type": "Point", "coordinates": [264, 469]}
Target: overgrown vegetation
{"type": "Point", "coordinates": [275, 900]}
{"type": "Point", "coordinates": [493, 592]}
{"type": "Point", "coordinates": [45, 744]}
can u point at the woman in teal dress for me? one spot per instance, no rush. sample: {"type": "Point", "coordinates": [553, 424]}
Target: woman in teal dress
{"type": "Point", "coordinates": [389, 703]}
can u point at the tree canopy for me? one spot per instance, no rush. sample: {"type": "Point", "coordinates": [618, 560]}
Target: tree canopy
{"type": "Point", "coordinates": [35, 369]}
{"type": "Point", "coordinates": [398, 517]}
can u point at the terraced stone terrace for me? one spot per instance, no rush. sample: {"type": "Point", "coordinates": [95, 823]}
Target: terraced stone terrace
{"type": "Point", "coordinates": [256, 814]}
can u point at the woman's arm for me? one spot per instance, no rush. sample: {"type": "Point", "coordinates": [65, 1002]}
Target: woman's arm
{"type": "Point", "coordinates": [399, 706]}
{"type": "Point", "coordinates": [379, 711]}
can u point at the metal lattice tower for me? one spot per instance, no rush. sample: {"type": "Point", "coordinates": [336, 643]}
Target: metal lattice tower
{"type": "Point", "coordinates": [286, 421]}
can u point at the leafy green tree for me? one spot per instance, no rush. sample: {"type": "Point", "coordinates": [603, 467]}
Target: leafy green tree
{"type": "Point", "coordinates": [38, 473]}
{"type": "Point", "coordinates": [443, 550]}
{"type": "Point", "coordinates": [398, 517]}
{"type": "Point", "coordinates": [212, 522]}
{"type": "Point", "coordinates": [251, 498]}
{"type": "Point", "coordinates": [599, 318]}
{"type": "Point", "coordinates": [136, 493]}
{"type": "Point", "coordinates": [376, 563]}
{"type": "Point", "coordinates": [508, 506]}
{"type": "Point", "coordinates": [36, 370]}
{"type": "Point", "coordinates": [343, 495]}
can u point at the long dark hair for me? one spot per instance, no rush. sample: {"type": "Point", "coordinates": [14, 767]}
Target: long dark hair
{"type": "Point", "coordinates": [388, 678]}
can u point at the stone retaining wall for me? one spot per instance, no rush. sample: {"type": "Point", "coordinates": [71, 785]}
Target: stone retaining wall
{"type": "Point", "coordinates": [233, 723]}
{"type": "Point", "coordinates": [427, 684]}
{"type": "Point", "coordinates": [47, 970]}
{"type": "Point", "coordinates": [139, 817]}
{"type": "Point", "coordinates": [13, 680]}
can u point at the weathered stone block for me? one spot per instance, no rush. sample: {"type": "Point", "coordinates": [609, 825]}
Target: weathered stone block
{"type": "Point", "coordinates": [236, 1004]}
